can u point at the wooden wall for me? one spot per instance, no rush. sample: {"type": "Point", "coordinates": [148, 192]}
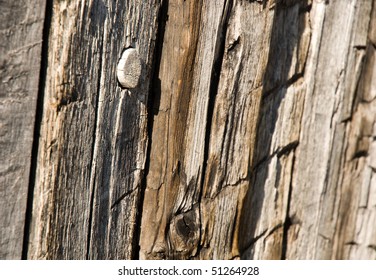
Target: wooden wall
{"type": "Point", "coordinates": [251, 133]}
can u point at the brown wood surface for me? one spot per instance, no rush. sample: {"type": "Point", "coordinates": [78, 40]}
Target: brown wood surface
{"type": "Point", "coordinates": [251, 134]}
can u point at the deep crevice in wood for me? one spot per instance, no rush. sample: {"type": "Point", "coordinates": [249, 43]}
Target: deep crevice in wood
{"type": "Point", "coordinates": [135, 254]}
{"type": "Point", "coordinates": [295, 78]}
{"type": "Point", "coordinates": [37, 127]}
{"type": "Point", "coordinates": [153, 109]}
{"type": "Point", "coordinates": [287, 149]}
{"type": "Point", "coordinates": [253, 241]}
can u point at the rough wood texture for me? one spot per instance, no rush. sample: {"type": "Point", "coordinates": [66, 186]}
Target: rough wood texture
{"type": "Point", "coordinates": [177, 150]}
{"type": "Point", "coordinates": [21, 26]}
{"type": "Point", "coordinates": [93, 136]}
{"type": "Point", "coordinates": [251, 134]}
{"type": "Point", "coordinates": [327, 163]}
{"type": "Point", "coordinates": [201, 189]}
{"type": "Point", "coordinates": [265, 182]}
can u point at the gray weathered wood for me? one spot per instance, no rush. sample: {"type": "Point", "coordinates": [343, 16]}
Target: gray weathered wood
{"type": "Point", "coordinates": [328, 164]}
{"type": "Point", "coordinates": [94, 133]}
{"type": "Point", "coordinates": [21, 26]}
{"type": "Point", "coordinates": [330, 173]}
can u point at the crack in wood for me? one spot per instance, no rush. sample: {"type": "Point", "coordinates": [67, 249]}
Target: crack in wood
{"type": "Point", "coordinates": [93, 155]}
{"type": "Point", "coordinates": [287, 149]}
{"type": "Point", "coordinates": [152, 109]}
{"type": "Point", "coordinates": [37, 128]}
{"type": "Point", "coordinates": [124, 195]}
{"type": "Point", "coordinates": [213, 91]}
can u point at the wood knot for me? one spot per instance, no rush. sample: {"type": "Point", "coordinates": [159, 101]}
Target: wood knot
{"type": "Point", "coordinates": [185, 233]}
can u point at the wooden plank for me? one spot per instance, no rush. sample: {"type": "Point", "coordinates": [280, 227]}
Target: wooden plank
{"type": "Point", "coordinates": [120, 149]}
{"type": "Point", "coordinates": [327, 170]}
{"type": "Point", "coordinates": [94, 133]}
{"type": "Point", "coordinates": [315, 160]}
{"type": "Point", "coordinates": [233, 129]}
{"type": "Point", "coordinates": [21, 28]}
{"type": "Point", "coordinates": [170, 221]}
{"type": "Point", "coordinates": [263, 217]}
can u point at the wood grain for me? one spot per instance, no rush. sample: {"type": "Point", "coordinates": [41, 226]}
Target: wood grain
{"type": "Point", "coordinates": [94, 133]}
{"type": "Point", "coordinates": [251, 134]}
{"type": "Point", "coordinates": [21, 28]}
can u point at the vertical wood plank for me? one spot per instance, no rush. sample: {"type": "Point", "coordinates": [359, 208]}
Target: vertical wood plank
{"type": "Point", "coordinates": [21, 28]}
{"type": "Point", "coordinates": [265, 207]}
{"type": "Point", "coordinates": [191, 49]}
{"type": "Point", "coordinates": [93, 135]}
{"type": "Point", "coordinates": [329, 170]}
{"type": "Point", "coordinates": [120, 148]}
{"type": "Point", "coordinates": [233, 126]}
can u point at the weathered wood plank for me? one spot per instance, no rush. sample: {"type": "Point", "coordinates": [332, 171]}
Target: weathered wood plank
{"type": "Point", "coordinates": [94, 135]}
{"type": "Point", "coordinates": [61, 208]}
{"type": "Point", "coordinates": [323, 169]}
{"type": "Point", "coordinates": [328, 212]}
{"type": "Point", "coordinates": [277, 133]}
{"type": "Point", "coordinates": [170, 221]}
{"type": "Point", "coordinates": [235, 108]}
{"type": "Point", "coordinates": [121, 136]}
{"type": "Point", "coordinates": [233, 127]}
{"type": "Point", "coordinates": [21, 28]}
